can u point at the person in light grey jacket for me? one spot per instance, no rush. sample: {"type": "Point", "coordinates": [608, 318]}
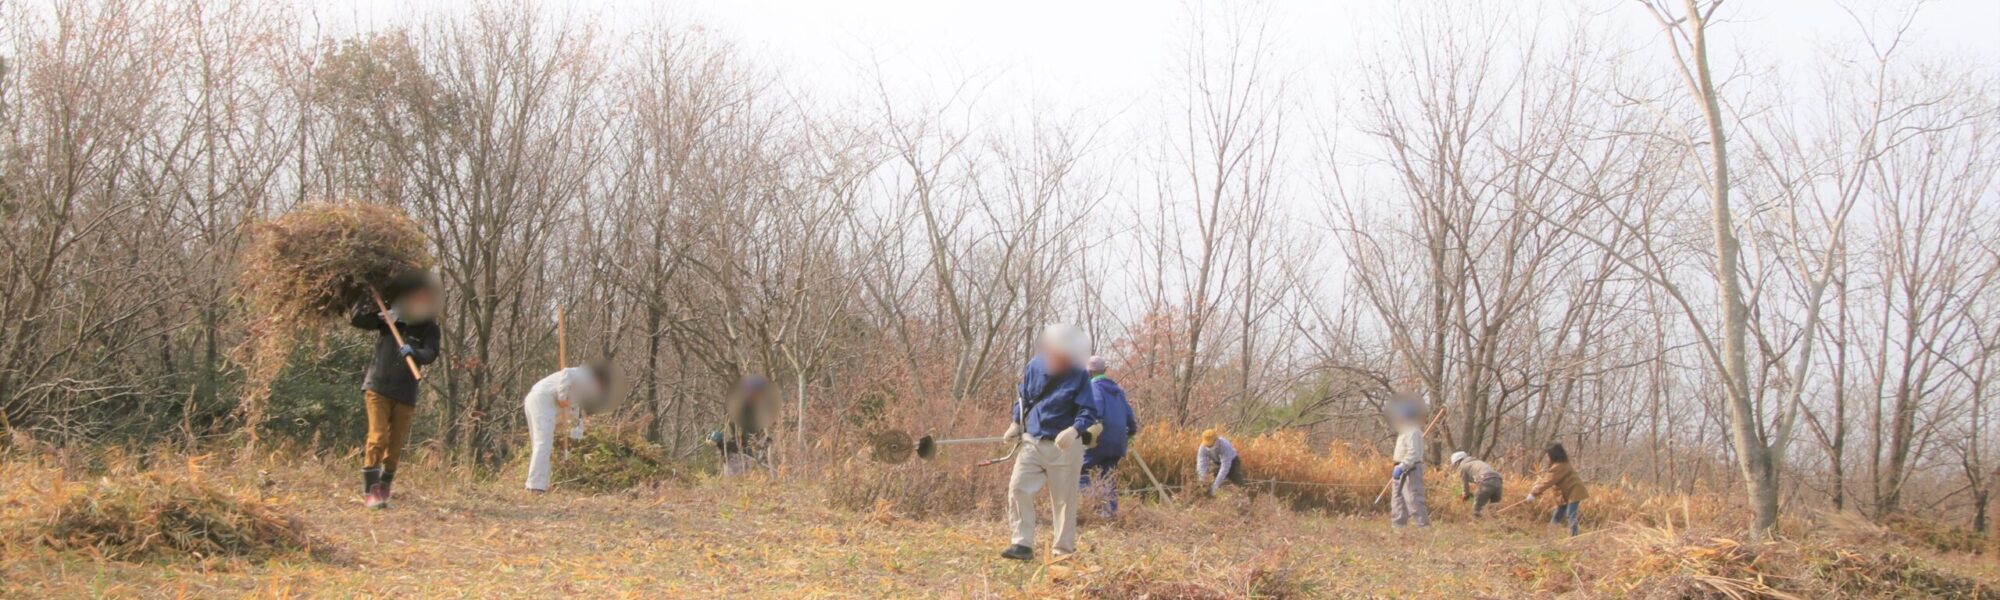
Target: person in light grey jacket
{"type": "Point", "coordinates": [1216, 461]}
{"type": "Point", "coordinates": [1406, 500]}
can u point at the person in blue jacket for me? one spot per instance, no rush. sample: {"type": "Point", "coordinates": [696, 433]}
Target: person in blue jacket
{"type": "Point", "coordinates": [1119, 427]}
{"type": "Point", "coordinates": [1053, 420]}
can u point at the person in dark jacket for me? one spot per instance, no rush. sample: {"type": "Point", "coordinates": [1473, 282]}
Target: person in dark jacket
{"type": "Point", "coordinates": [1053, 421]}
{"type": "Point", "coordinates": [389, 390]}
{"type": "Point", "coordinates": [1119, 427]}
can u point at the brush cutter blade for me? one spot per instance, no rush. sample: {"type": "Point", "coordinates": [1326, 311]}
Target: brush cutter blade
{"type": "Point", "coordinates": [890, 446]}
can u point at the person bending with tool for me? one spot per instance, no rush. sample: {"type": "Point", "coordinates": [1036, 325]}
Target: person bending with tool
{"type": "Point", "coordinates": [1053, 421]}
{"type": "Point", "coordinates": [1099, 461]}
{"type": "Point", "coordinates": [1217, 462]}
{"type": "Point", "coordinates": [1406, 502]}
{"type": "Point", "coordinates": [1475, 472]}
{"type": "Point", "coordinates": [744, 439]}
{"type": "Point", "coordinates": [559, 397]}
{"type": "Point", "coordinates": [406, 338]}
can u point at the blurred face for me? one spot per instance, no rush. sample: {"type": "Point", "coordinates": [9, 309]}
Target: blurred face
{"type": "Point", "coordinates": [418, 305]}
{"type": "Point", "coordinates": [1056, 360]}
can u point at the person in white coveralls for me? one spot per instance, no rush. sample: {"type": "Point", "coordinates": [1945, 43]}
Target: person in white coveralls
{"type": "Point", "coordinates": [559, 397]}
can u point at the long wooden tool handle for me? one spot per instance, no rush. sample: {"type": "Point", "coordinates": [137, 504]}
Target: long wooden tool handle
{"type": "Point", "coordinates": [1157, 488]}
{"type": "Point", "coordinates": [383, 310]}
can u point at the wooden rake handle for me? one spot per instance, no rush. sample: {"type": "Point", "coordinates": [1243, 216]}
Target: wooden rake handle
{"type": "Point", "coordinates": [382, 309]}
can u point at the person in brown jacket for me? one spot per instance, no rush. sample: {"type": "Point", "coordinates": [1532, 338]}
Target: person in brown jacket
{"type": "Point", "coordinates": [1562, 478]}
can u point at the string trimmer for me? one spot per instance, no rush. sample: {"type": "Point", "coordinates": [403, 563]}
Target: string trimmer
{"type": "Point", "coordinates": [892, 446]}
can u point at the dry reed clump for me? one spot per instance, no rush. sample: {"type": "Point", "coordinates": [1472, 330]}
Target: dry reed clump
{"type": "Point", "coordinates": [312, 265]}
{"type": "Point", "coordinates": [1281, 463]}
{"type": "Point", "coordinates": [604, 463]}
{"type": "Point", "coordinates": [164, 516]}
{"type": "Point", "coordinates": [917, 490]}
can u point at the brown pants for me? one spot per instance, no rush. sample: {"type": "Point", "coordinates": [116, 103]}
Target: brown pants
{"type": "Point", "coordinates": [388, 430]}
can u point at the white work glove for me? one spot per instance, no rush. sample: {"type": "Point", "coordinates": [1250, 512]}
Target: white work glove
{"type": "Point", "coordinates": [1066, 439]}
{"type": "Point", "coordinates": [1013, 432]}
{"type": "Point", "coordinates": [1530, 498]}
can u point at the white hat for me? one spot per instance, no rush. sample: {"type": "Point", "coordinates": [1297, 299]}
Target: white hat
{"type": "Point", "coordinates": [1458, 456]}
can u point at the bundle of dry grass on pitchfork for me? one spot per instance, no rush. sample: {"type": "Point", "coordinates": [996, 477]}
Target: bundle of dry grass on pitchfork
{"type": "Point", "coordinates": [310, 267]}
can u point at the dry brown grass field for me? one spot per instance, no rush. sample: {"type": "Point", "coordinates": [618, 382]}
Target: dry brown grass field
{"type": "Point", "coordinates": [289, 524]}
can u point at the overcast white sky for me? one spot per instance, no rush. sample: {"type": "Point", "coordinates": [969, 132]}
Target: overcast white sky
{"type": "Point", "coordinates": [1113, 59]}
{"type": "Point", "coordinates": [1097, 51]}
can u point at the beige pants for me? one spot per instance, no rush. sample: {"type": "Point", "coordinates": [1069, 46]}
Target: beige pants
{"type": "Point", "coordinates": [1038, 464]}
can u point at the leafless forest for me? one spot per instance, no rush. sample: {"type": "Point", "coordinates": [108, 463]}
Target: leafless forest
{"type": "Point", "coordinates": [1700, 271]}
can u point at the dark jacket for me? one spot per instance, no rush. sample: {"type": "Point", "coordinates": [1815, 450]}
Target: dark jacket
{"type": "Point", "coordinates": [1119, 422]}
{"type": "Point", "coordinates": [1052, 402]}
{"type": "Point", "coordinates": [387, 375]}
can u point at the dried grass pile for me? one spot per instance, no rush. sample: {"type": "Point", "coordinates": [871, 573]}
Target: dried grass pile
{"type": "Point", "coordinates": [164, 517]}
{"type": "Point", "coordinates": [311, 266]}
{"type": "Point", "coordinates": [605, 463]}
{"type": "Point", "coordinates": [1660, 562]}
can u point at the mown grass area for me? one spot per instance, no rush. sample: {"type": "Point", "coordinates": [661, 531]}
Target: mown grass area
{"type": "Point", "coordinates": [457, 534]}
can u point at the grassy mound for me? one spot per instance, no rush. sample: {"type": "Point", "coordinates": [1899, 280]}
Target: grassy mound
{"type": "Point", "coordinates": [603, 462]}
{"type": "Point", "coordinates": [165, 517]}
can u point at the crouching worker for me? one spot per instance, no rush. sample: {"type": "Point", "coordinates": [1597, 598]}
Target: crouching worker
{"type": "Point", "coordinates": [1561, 478]}
{"type": "Point", "coordinates": [389, 390]}
{"type": "Point", "coordinates": [1471, 472]}
{"type": "Point", "coordinates": [744, 441]}
{"type": "Point", "coordinates": [1216, 462]}
{"type": "Point", "coordinates": [560, 397]}
{"type": "Point", "coordinates": [1053, 419]}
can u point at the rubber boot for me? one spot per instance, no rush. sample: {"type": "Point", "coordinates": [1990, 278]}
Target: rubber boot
{"type": "Point", "coordinates": [388, 485]}
{"type": "Point", "coordinates": [374, 493]}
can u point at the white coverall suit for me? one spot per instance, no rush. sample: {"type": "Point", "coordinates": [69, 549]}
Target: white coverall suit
{"type": "Point", "coordinates": [553, 396]}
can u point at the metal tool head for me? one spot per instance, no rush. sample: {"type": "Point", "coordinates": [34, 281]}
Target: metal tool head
{"type": "Point", "coordinates": [927, 447]}
{"type": "Point", "coordinates": [890, 446]}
